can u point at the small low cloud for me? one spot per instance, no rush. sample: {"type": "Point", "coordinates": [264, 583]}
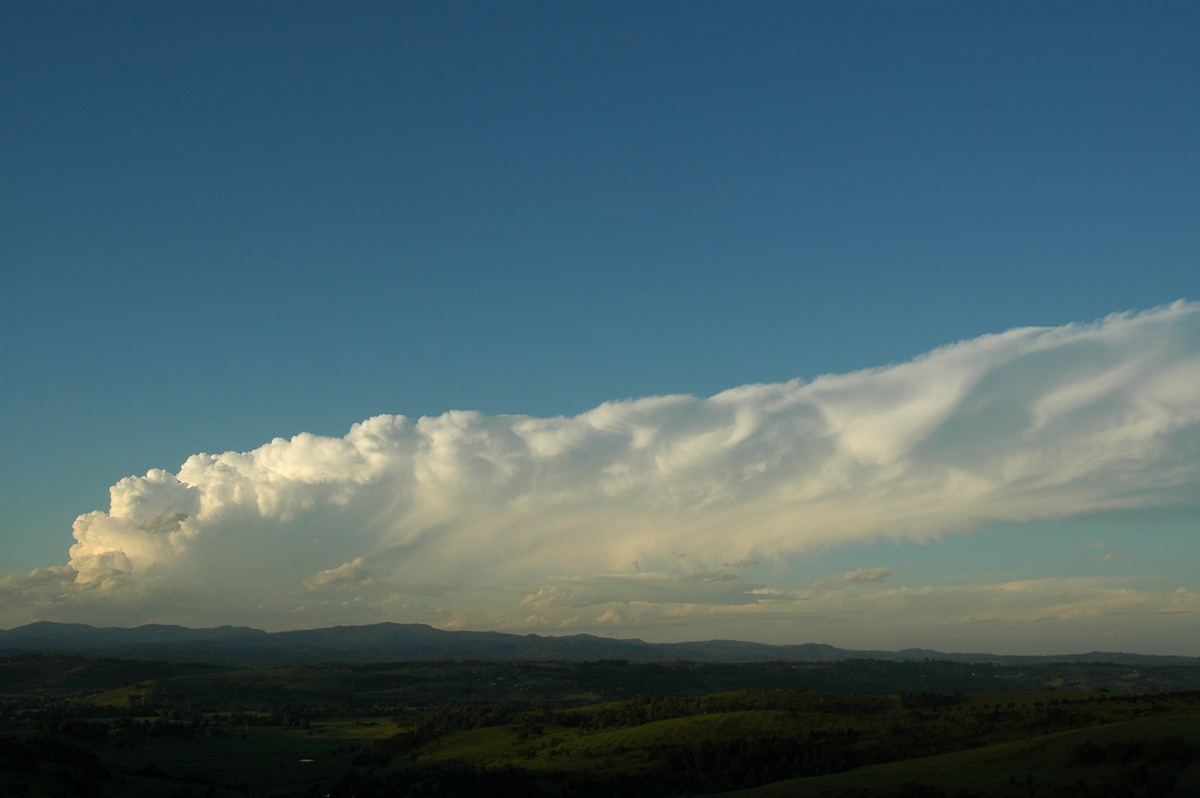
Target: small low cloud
{"type": "Point", "coordinates": [353, 573]}
{"type": "Point", "coordinates": [865, 575]}
{"type": "Point", "coordinates": [1111, 557]}
{"type": "Point", "coordinates": [858, 576]}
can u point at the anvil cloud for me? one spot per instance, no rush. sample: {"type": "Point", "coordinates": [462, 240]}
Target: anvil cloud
{"type": "Point", "coordinates": [663, 500]}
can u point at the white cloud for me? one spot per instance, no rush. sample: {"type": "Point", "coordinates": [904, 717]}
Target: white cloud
{"type": "Point", "coordinates": [1030, 424]}
{"type": "Point", "coordinates": [353, 573]}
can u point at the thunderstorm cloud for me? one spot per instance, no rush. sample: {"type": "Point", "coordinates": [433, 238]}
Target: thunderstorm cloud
{"type": "Point", "coordinates": [618, 506]}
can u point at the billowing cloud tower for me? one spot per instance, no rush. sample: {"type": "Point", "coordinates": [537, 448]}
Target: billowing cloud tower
{"type": "Point", "coordinates": [1030, 424]}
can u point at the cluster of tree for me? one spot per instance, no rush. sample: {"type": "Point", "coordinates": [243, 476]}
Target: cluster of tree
{"type": "Point", "coordinates": [714, 766]}
{"type": "Point", "coordinates": [429, 725]}
{"type": "Point", "coordinates": [124, 731]}
{"type": "Point", "coordinates": [648, 709]}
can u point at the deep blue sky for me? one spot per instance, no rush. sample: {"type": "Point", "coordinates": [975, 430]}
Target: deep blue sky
{"type": "Point", "coordinates": [224, 222]}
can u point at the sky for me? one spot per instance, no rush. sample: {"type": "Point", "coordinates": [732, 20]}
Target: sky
{"type": "Point", "coordinates": [869, 324]}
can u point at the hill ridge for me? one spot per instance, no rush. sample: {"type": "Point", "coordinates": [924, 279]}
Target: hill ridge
{"type": "Point", "coordinates": [389, 640]}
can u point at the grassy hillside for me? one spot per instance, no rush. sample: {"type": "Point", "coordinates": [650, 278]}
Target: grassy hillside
{"type": "Point", "coordinates": [1134, 757]}
{"type": "Point", "coordinates": [72, 727]}
{"type": "Point", "coordinates": [990, 744]}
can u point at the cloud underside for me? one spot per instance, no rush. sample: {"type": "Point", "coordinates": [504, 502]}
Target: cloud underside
{"type": "Point", "coordinates": [671, 496]}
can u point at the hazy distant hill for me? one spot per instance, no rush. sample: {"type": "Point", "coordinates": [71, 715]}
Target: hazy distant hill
{"type": "Point", "coordinates": [239, 645]}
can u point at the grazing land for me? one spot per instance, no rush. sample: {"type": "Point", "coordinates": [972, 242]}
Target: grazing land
{"type": "Point", "coordinates": [73, 725]}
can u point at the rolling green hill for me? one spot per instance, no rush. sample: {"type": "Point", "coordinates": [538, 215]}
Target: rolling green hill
{"type": "Point", "coordinates": [72, 726]}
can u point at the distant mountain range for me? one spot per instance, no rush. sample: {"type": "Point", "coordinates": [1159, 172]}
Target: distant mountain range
{"type": "Point", "coordinates": [382, 642]}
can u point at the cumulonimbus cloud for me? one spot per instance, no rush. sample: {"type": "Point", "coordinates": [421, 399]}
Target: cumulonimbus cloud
{"type": "Point", "coordinates": [1033, 423]}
